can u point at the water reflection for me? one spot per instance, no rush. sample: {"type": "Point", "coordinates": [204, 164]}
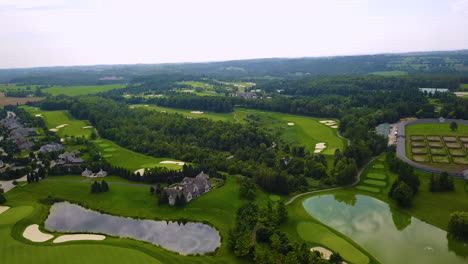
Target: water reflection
{"type": "Point", "coordinates": [189, 238]}
{"type": "Point", "coordinates": [387, 233]}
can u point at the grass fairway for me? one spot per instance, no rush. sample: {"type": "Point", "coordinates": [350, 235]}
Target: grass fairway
{"type": "Point", "coordinates": [441, 129]}
{"type": "Point", "coordinates": [306, 130]}
{"type": "Point", "coordinates": [81, 90]}
{"type": "Point", "coordinates": [368, 188]}
{"type": "Point", "coordinates": [377, 176]}
{"type": "Point", "coordinates": [317, 233]}
{"type": "Point", "coordinates": [56, 118]}
{"type": "Point", "coordinates": [217, 207]}
{"type": "Point", "coordinates": [128, 159]}
{"type": "Point", "coordinates": [213, 116]}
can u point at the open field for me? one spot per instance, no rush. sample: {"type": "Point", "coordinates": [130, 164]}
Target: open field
{"type": "Point", "coordinates": [437, 145]}
{"type": "Point", "coordinates": [81, 90]}
{"type": "Point", "coordinates": [53, 119]}
{"type": "Point", "coordinates": [16, 100]}
{"type": "Point", "coordinates": [4, 88]}
{"type": "Point", "coordinates": [119, 156]}
{"type": "Point", "coordinates": [389, 73]}
{"type": "Point", "coordinates": [217, 207]}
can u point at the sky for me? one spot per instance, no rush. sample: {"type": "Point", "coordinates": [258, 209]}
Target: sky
{"type": "Point", "coordinates": [37, 33]}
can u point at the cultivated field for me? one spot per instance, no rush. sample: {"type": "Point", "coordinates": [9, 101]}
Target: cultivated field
{"type": "Point", "coordinates": [122, 157]}
{"type": "Point", "coordinates": [57, 120]}
{"type": "Point", "coordinates": [81, 90]}
{"type": "Point", "coordinates": [16, 100]}
{"type": "Point", "coordinates": [437, 145]}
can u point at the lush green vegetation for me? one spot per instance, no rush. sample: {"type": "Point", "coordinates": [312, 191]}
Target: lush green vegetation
{"type": "Point", "coordinates": [389, 73]}
{"type": "Point", "coordinates": [122, 157]}
{"type": "Point", "coordinates": [209, 115]}
{"type": "Point", "coordinates": [81, 90]}
{"type": "Point", "coordinates": [53, 119]}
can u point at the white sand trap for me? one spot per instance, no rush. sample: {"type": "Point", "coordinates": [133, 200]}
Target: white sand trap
{"type": "Point", "coordinates": [132, 107]}
{"type": "Point", "coordinates": [76, 237]}
{"type": "Point", "coordinates": [141, 171]}
{"type": "Point", "coordinates": [53, 130]}
{"type": "Point", "coordinates": [87, 127]}
{"type": "Point", "coordinates": [197, 112]}
{"type": "Point", "coordinates": [291, 124]}
{"type": "Point", "coordinates": [62, 140]}
{"type": "Point", "coordinates": [33, 233]}
{"type": "Point", "coordinates": [319, 147]}
{"type": "Point", "coordinates": [61, 126]}
{"type": "Point", "coordinates": [334, 126]}
{"type": "Point", "coordinates": [323, 251]}
{"type": "Point", "coordinates": [3, 209]}
{"type": "Point", "coordinates": [39, 115]}
{"type": "Point", "coordinates": [326, 121]}
{"type": "Point", "coordinates": [172, 162]}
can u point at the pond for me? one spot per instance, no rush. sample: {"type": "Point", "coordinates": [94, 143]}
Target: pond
{"type": "Point", "coordinates": [388, 234]}
{"type": "Point", "coordinates": [188, 238]}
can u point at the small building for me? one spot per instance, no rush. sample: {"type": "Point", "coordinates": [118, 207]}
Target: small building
{"type": "Point", "coordinates": [248, 95]}
{"type": "Point", "coordinates": [70, 159]}
{"type": "Point", "coordinates": [90, 174]}
{"type": "Point", "coordinates": [190, 188]}
{"type": "Point", "coordinates": [441, 120]}
{"type": "Point", "coordinates": [51, 147]}
{"type": "Point", "coordinates": [433, 90]}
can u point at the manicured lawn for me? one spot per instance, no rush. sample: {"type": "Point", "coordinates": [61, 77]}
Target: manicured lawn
{"type": "Point", "coordinates": [217, 207]}
{"type": "Point", "coordinates": [378, 176]}
{"type": "Point", "coordinates": [194, 84]}
{"type": "Point", "coordinates": [56, 118]}
{"type": "Point", "coordinates": [316, 233]}
{"type": "Point", "coordinates": [375, 182]}
{"type": "Point", "coordinates": [389, 73]}
{"type": "Point", "coordinates": [133, 161]}
{"type": "Point", "coordinates": [436, 129]}
{"type": "Point", "coordinates": [209, 115]}
{"type": "Point", "coordinates": [368, 188]}
{"type": "Point", "coordinates": [306, 130]}
{"type": "Point", "coordinates": [81, 90]}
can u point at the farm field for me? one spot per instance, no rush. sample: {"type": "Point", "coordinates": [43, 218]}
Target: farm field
{"type": "Point", "coordinates": [81, 90]}
{"type": "Point", "coordinates": [16, 100]}
{"type": "Point", "coordinates": [128, 159]}
{"type": "Point", "coordinates": [437, 145]}
{"type": "Point", "coordinates": [53, 119]}
{"type": "Point", "coordinates": [217, 207]}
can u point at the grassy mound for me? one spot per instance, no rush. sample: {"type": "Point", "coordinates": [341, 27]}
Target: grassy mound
{"type": "Point", "coordinates": [433, 138]}
{"type": "Point", "coordinates": [375, 182]}
{"type": "Point", "coordinates": [379, 166]}
{"type": "Point", "coordinates": [438, 151]}
{"type": "Point", "coordinates": [367, 188]}
{"type": "Point", "coordinates": [419, 150]}
{"type": "Point", "coordinates": [440, 159]}
{"type": "Point", "coordinates": [377, 176]}
{"type": "Point", "coordinates": [420, 158]}
{"type": "Point", "coordinates": [274, 198]}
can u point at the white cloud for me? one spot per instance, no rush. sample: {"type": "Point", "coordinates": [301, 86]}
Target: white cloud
{"type": "Point", "coordinates": [28, 4]}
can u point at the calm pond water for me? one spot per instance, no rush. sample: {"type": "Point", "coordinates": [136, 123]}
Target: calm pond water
{"type": "Point", "coordinates": [189, 238]}
{"type": "Point", "coordinates": [388, 234]}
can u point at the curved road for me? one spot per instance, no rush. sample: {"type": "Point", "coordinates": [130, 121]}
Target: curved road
{"type": "Point", "coordinates": [358, 179]}
{"type": "Point", "coordinates": [401, 145]}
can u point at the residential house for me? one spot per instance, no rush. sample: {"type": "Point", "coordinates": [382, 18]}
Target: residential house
{"type": "Point", "coordinates": [248, 95]}
{"type": "Point", "coordinates": [90, 174]}
{"type": "Point", "coordinates": [51, 147]}
{"type": "Point", "coordinates": [70, 159]}
{"type": "Point", "coordinates": [190, 188]}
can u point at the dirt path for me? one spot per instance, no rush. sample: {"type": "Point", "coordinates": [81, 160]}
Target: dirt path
{"type": "Point", "coordinates": [358, 179]}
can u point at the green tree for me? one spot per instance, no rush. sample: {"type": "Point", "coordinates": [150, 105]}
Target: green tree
{"type": "Point", "coordinates": [163, 198]}
{"type": "Point", "coordinates": [95, 187]}
{"type": "Point", "coordinates": [104, 186]}
{"type": "Point", "coordinates": [282, 213]}
{"type": "Point", "coordinates": [402, 194]}
{"type": "Point", "coordinates": [336, 258]}
{"type": "Point", "coordinates": [152, 190]}
{"type": "Point", "coordinates": [243, 245]}
{"type": "Point", "coordinates": [458, 225]}
{"type": "Point", "coordinates": [453, 126]}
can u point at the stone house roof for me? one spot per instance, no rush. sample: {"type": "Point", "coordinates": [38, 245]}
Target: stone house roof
{"type": "Point", "coordinates": [190, 188]}
{"type": "Point", "coordinates": [247, 95]}
{"type": "Point", "coordinates": [51, 147]}
{"type": "Point", "coordinates": [69, 158]}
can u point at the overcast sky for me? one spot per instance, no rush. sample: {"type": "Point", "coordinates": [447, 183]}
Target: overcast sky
{"type": "Point", "coordinates": [86, 32]}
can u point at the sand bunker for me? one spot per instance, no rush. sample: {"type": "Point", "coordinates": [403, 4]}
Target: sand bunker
{"type": "Point", "coordinates": [291, 124]}
{"type": "Point", "coordinates": [87, 127]}
{"type": "Point", "coordinates": [328, 122]}
{"type": "Point", "coordinates": [39, 115]}
{"type": "Point", "coordinates": [319, 147]}
{"type": "Point", "coordinates": [61, 126]}
{"type": "Point", "coordinates": [141, 171]}
{"type": "Point", "coordinates": [33, 233]}
{"type": "Point", "coordinates": [172, 162]}
{"type": "Point", "coordinates": [146, 105]}
{"type": "Point", "coordinates": [53, 130]}
{"type": "Point", "coordinates": [323, 251]}
{"type": "Point", "coordinates": [197, 112]}
{"type": "Point", "coordinates": [76, 237]}
{"type": "Point", "coordinates": [334, 126]}
{"type": "Point", "coordinates": [3, 209]}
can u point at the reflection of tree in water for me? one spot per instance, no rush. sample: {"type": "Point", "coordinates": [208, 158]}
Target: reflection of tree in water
{"type": "Point", "coordinates": [349, 199]}
{"type": "Point", "coordinates": [459, 247]}
{"type": "Point", "coordinates": [400, 220]}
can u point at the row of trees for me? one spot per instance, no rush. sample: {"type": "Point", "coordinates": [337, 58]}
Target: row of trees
{"type": "Point", "coordinates": [406, 186]}
{"type": "Point", "coordinates": [97, 187]}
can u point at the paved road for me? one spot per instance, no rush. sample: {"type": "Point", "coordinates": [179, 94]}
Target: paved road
{"type": "Point", "coordinates": [401, 145]}
{"type": "Point", "coordinates": [358, 179]}
{"type": "Point", "coordinates": [88, 180]}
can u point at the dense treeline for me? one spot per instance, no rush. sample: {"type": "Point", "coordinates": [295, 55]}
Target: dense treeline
{"type": "Point", "coordinates": [208, 103]}
{"type": "Point", "coordinates": [406, 186]}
